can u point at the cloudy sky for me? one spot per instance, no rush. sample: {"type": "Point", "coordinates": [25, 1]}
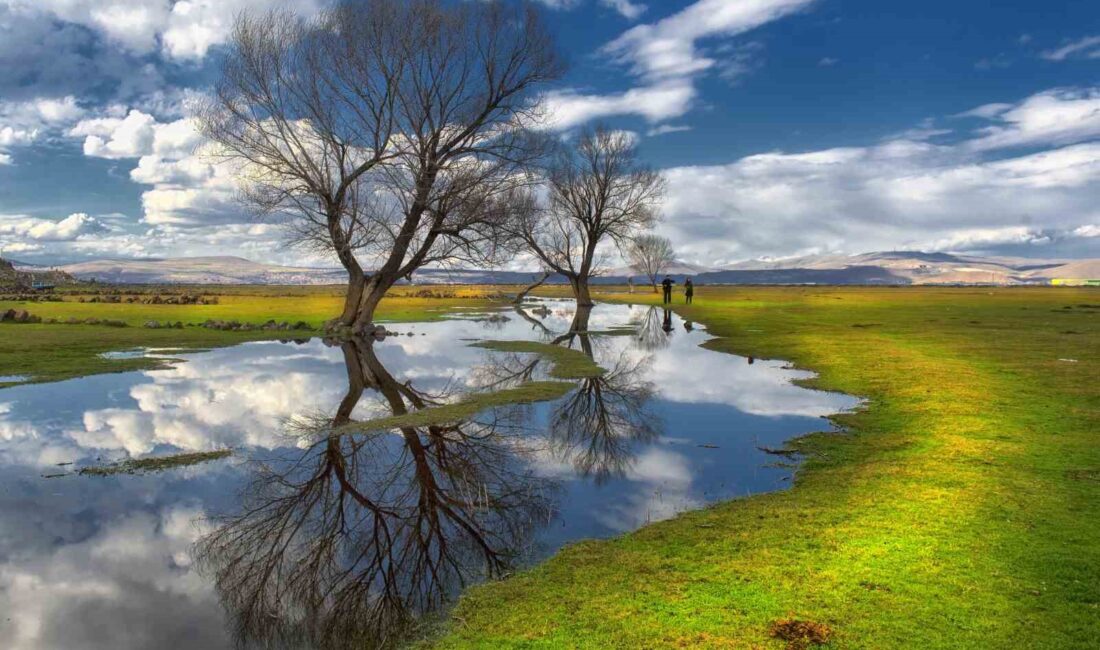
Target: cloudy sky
{"type": "Point", "coordinates": [784, 127]}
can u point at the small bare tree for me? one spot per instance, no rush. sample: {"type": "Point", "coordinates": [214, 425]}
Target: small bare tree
{"type": "Point", "coordinates": [650, 255]}
{"type": "Point", "coordinates": [597, 194]}
{"type": "Point", "coordinates": [388, 132]}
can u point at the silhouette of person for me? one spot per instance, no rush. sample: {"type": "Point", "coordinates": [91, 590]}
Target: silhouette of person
{"type": "Point", "coordinates": [689, 326]}
{"type": "Point", "coordinates": [667, 285]}
{"type": "Point", "coordinates": [689, 291]}
{"type": "Point", "coordinates": [667, 325]}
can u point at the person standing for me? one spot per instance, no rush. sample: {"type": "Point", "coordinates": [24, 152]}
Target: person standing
{"type": "Point", "coordinates": [689, 291]}
{"type": "Point", "coordinates": [666, 284]}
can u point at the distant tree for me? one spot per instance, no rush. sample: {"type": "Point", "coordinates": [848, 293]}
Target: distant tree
{"type": "Point", "coordinates": [650, 255]}
{"type": "Point", "coordinates": [388, 132]}
{"type": "Point", "coordinates": [597, 193]}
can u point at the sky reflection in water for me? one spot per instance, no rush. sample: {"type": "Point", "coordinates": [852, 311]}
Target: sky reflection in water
{"type": "Point", "coordinates": [396, 521]}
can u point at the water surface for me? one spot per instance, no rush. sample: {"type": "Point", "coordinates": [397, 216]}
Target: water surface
{"type": "Point", "coordinates": [310, 536]}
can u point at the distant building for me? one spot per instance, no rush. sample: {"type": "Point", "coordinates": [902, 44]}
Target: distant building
{"type": "Point", "coordinates": [1074, 282]}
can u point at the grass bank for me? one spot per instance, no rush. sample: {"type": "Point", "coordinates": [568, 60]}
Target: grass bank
{"type": "Point", "coordinates": [51, 352]}
{"type": "Point", "coordinates": [960, 510]}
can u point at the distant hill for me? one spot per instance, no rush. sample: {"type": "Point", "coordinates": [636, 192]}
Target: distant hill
{"type": "Point", "coordinates": [894, 268]}
{"type": "Point", "coordinates": [904, 268]}
{"type": "Point", "coordinates": [14, 277]}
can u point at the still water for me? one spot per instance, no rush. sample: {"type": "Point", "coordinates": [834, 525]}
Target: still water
{"type": "Point", "coordinates": [306, 538]}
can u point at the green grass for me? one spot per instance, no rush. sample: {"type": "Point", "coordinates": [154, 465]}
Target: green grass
{"type": "Point", "coordinates": [466, 408]}
{"type": "Point", "coordinates": [961, 509]}
{"type": "Point", "coordinates": [155, 463]}
{"type": "Point", "coordinates": [567, 363]}
{"type": "Point", "coordinates": [52, 352]}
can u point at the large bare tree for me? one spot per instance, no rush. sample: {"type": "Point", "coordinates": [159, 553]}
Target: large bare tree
{"type": "Point", "coordinates": [388, 132]}
{"type": "Point", "coordinates": [598, 194]}
{"type": "Point", "coordinates": [650, 255]}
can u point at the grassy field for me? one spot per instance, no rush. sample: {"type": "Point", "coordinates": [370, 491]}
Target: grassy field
{"type": "Point", "coordinates": [960, 509]}
{"type": "Point", "coordinates": [50, 352]}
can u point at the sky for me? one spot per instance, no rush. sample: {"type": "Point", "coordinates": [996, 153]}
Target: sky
{"type": "Point", "coordinates": [783, 127]}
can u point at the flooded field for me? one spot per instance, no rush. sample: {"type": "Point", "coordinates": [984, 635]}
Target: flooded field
{"type": "Point", "coordinates": [279, 493]}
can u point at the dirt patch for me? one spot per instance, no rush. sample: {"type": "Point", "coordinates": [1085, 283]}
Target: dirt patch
{"type": "Point", "coordinates": [800, 634]}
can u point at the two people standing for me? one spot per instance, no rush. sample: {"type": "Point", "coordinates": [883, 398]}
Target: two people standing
{"type": "Point", "coordinates": [689, 289]}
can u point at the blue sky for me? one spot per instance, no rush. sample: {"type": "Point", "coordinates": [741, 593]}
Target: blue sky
{"type": "Point", "coordinates": [784, 127]}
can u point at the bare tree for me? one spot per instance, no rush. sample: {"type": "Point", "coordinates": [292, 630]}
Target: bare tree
{"type": "Point", "coordinates": [650, 255]}
{"type": "Point", "coordinates": [390, 133]}
{"type": "Point", "coordinates": [598, 193]}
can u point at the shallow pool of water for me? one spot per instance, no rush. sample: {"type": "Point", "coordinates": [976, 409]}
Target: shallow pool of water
{"type": "Point", "coordinates": [388, 525]}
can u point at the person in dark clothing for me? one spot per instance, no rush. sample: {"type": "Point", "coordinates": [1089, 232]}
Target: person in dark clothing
{"type": "Point", "coordinates": [689, 290]}
{"type": "Point", "coordinates": [667, 324]}
{"type": "Point", "coordinates": [666, 284]}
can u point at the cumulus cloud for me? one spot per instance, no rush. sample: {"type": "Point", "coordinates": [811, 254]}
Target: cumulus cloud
{"type": "Point", "coordinates": [68, 229]}
{"type": "Point", "coordinates": [896, 194]}
{"type": "Point", "coordinates": [187, 188]}
{"type": "Point", "coordinates": [179, 29]}
{"type": "Point", "coordinates": [24, 122]}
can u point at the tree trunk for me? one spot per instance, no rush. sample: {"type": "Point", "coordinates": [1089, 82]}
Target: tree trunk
{"type": "Point", "coordinates": [654, 287]}
{"type": "Point", "coordinates": [580, 291]}
{"type": "Point", "coordinates": [373, 292]}
{"type": "Point", "coordinates": [357, 282]}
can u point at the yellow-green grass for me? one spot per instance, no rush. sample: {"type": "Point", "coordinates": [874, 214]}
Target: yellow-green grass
{"type": "Point", "coordinates": [51, 352]}
{"type": "Point", "coordinates": [960, 509]}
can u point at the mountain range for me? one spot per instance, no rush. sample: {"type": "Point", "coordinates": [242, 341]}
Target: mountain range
{"type": "Point", "coordinates": [885, 268]}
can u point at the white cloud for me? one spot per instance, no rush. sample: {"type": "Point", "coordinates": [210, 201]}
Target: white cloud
{"type": "Point", "coordinates": [1087, 47]}
{"type": "Point", "coordinates": [630, 10]}
{"type": "Point", "coordinates": [669, 47]}
{"type": "Point", "coordinates": [180, 29]}
{"type": "Point", "coordinates": [187, 188]}
{"type": "Point", "coordinates": [1053, 117]}
{"type": "Point", "coordinates": [666, 56]}
{"type": "Point", "coordinates": [35, 229]}
{"type": "Point", "coordinates": [22, 123]}
{"type": "Point", "coordinates": [667, 128]}
{"type": "Point", "coordinates": [899, 194]}
{"type": "Point", "coordinates": [663, 101]}
{"type": "Point", "coordinates": [137, 134]}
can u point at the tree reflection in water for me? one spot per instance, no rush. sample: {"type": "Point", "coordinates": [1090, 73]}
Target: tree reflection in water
{"type": "Point", "coordinates": [598, 426]}
{"type": "Point", "coordinates": [351, 541]}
